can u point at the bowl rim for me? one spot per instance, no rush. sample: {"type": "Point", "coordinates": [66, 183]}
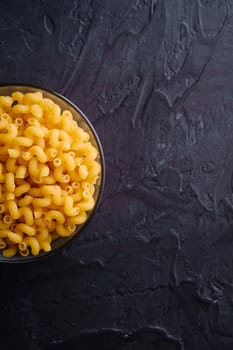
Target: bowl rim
{"type": "Point", "coordinates": [56, 250]}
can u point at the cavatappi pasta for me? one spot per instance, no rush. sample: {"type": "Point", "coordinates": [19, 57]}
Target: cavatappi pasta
{"type": "Point", "coordinates": [48, 173]}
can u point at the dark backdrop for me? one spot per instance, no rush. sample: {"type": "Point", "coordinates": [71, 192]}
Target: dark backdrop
{"type": "Point", "coordinates": [154, 269]}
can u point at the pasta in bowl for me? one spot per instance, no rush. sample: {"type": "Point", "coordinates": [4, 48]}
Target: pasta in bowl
{"type": "Point", "coordinates": [51, 172]}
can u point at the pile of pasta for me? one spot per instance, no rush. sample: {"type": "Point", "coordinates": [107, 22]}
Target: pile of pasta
{"type": "Point", "coordinates": [48, 172]}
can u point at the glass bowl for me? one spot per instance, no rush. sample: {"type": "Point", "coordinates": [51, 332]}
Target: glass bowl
{"type": "Point", "coordinates": [80, 117]}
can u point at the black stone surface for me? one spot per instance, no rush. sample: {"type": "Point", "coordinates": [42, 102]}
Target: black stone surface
{"type": "Point", "coordinates": [154, 269]}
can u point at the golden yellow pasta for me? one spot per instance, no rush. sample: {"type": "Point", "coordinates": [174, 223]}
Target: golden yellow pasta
{"type": "Point", "coordinates": [15, 237]}
{"type": "Point", "coordinates": [10, 251]}
{"type": "Point", "coordinates": [21, 172]}
{"type": "Point", "coordinates": [27, 213]}
{"type": "Point", "coordinates": [2, 244]}
{"type": "Point", "coordinates": [45, 246]}
{"type": "Point", "coordinates": [13, 153]}
{"type": "Point", "coordinates": [48, 173]}
{"type": "Point", "coordinates": [33, 243]}
{"type": "Point", "coordinates": [24, 252]}
{"type": "Point", "coordinates": [10, 182]}
{"type": "Point", "coordinates": [6, 101]}
{"type": "Point", "coordinates": [25, 201]}
{"type": "Point", "coordinates": [13, 209]}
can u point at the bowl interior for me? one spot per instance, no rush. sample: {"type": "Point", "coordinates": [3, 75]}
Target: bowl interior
{"type": "Point", "coordinates": [84, 123]}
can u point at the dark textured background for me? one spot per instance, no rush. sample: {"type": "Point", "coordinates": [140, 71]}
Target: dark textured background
{"type": "Point", "coordinates": [154, 270]}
